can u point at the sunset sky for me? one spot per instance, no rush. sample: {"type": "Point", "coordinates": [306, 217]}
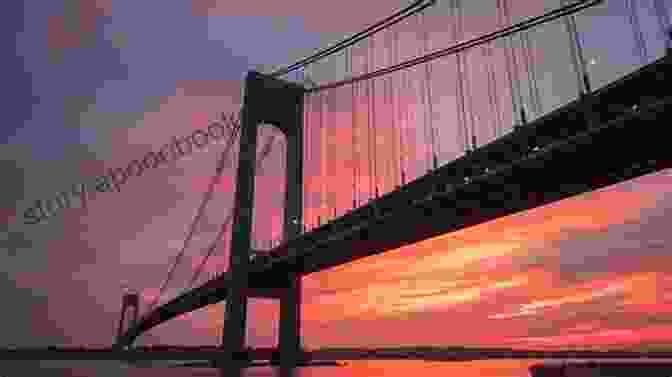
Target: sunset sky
{"type": "Point", "coordinates": [93, 84]}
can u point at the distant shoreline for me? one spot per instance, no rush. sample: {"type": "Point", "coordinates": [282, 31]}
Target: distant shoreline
{"type": "Point", "coordinates": [330, 354]}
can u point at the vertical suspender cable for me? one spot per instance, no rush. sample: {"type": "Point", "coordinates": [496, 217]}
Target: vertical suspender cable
{"type": "Point", "coordinates": [423, 98]}
{"type": "Point", "coordinates": [323, 159]}
{"type": "Point", "coordinates": [329, 149]}
{"type": "Point", "coordinates": [663, 21]}
{"type": "Point", "coordinates": [514, 62]}
{"type": "Point", "coordinates": [467, 88]}
{"type": "Point", "coordinates": [395, 110]}
{"type": "Point", "coordinates": [373, 121]}
{"type": "Point", "coordinates": [507, 59]}
{"type": "Point", "coordinates": [428, 82]}
{"type": "Point", "coordinates": [633, 17]}
{"type": "Point", "coordinates": [400, 120]}
{"type": "Point", "coordinates": [578, 59]}
{"type": "Point", "coordinates": [306, 154]}
{"type": "Point", "coordinates": [394, 158]}
{"type": "Point", "coordinates": [492, 91]}
{"type": "Point", "coordinates": [386, 168]}
{"type": "Point", "coordinates": [308, 160]}
{"type": "Point", "coordinates": [462, 119]}
{"type": "Point", "coordinates": [528, 69]}
{"type": "Point", "coordinates": [369, 94]}
{"type": "Point", "coordinates": [534, 88]}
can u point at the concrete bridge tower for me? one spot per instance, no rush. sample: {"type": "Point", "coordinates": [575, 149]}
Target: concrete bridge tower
{"type": "Point", "coordinates": [267, 100]}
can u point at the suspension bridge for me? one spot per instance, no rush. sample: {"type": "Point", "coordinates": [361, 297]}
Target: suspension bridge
{"type": "Point", "coordinates": [420, 119]}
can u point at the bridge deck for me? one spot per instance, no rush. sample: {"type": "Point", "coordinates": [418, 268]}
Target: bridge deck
{"type": "Point", "coordinates": [578, 151]}
{"type": "Point", "coordinates": [645, 86]}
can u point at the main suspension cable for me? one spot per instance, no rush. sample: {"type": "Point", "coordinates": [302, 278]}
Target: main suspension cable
{"type": "Point", "coordinates": [415, 7]}
{"type": "Point", "coordinates": [201, 210]}
{"type": "Point", "coordinates": [265, 151]}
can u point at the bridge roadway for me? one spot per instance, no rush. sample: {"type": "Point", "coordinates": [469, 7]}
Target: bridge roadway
{"type": "Point", "coordinates": [616, 134]}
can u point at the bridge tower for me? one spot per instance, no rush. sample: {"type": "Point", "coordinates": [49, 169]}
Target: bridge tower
{"type": "Point", "coordinates": [267, 100]}
{"type": "Point", "coordinates": [130, 301]}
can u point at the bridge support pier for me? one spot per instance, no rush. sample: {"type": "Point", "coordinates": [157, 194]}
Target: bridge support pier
{"type": "Point", "coordinates": [290, 323]}
{"type": "Point", "coordinates": [280, 103]}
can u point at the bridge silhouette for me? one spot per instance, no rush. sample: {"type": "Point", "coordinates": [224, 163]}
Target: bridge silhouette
{"type": "Point", "coordinates": [506, 157]}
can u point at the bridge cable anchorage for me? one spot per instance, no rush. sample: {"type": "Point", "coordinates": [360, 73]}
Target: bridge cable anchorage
{"type": "Point", "coordinates": [206, 198]}
{"type": "Point", "coordinates": [428, 86]}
